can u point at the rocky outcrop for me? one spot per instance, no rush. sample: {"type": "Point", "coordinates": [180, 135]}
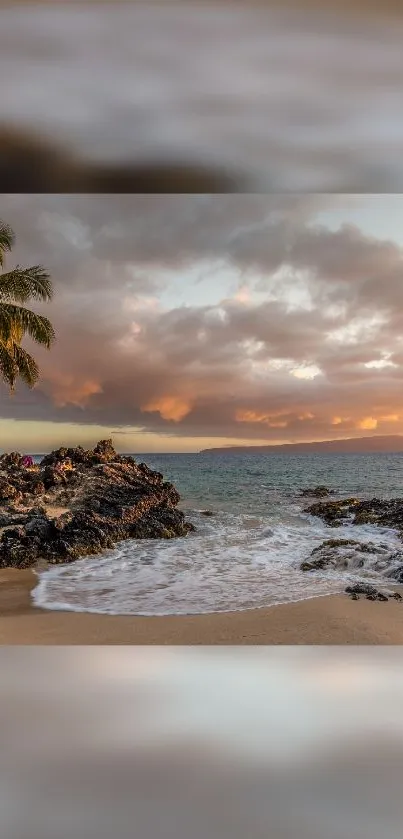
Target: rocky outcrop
{"type": "Point", "coordinates": [351, 554]}
{"type": "Point", "coordinates": [334, 513]}
{"type": "Point", "coordinates": [317, 492]}
{"type": "Point", "coordinates": [343, 553]}
{"type": "Point", "coordinates": [371, 593]}
{"type": "Point", "coordinates": [107, 498]}
{"type": "Point", "coordinates": [385, 513]}
{"type": "Point", "coordinates": [377, 559]}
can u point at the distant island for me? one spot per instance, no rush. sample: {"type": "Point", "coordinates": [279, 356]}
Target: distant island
{"type": "Point", "coordinates": [352, 445]}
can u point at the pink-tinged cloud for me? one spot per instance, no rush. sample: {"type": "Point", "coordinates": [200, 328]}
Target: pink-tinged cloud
{"type": "Point", "coordinates": [169, 408]}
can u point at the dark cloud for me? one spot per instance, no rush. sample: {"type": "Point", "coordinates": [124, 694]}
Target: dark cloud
{"type": "Point", "coordinates": [283, 354]}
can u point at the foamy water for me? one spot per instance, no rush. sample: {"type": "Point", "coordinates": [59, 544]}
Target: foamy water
{"type": "Point", "coordinates": [247, 555]}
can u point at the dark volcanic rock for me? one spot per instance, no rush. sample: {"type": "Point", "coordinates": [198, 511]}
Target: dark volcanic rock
{"type": "Point", "coordinates": [8, 492]}
{"type": "Point", "coordinates": [17, 548]}
{"type": "Point", "coordinates": [385, 513]}
{"type": "Point", "coordinates": [10, 459]}
{"type": "Point", "coordinates": [342, 553]}
{"type": "Point", "coordinates": [105, 451]}
{"type": "Point", "coordinates": [8, 518]}
{"type": "Point", "coordinates": [362, 588]}
{"type": "Point", "coordinates": [351, 555]}
{"type": "Point", "coordinates": [382, 513]}
{"type": "Point", "coordinates": [318, 492]}
{"type": "Point", "coordinates": [52, 477]}
{"type": "Point", "coordinates": [102, 453]}
{"type": "Point", "coordinates": [38, 525]}
{"type": "Point", "coordinates": [109, 498]}
{"type": "Point", "coordinates": [370, 592]}
{"type": "Point", "coordinates": [334, 513]}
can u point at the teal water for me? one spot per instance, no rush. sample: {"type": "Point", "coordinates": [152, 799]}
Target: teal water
{"type": "Point", "coordinates": [252, 483]}
{"type": "Point", "coordinates": [248, 554]}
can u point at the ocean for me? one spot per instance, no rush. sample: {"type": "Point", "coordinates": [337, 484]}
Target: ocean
{"type": "Point", "coordinates": [245, 556]}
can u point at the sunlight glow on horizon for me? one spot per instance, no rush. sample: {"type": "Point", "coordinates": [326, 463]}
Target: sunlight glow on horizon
{"type": "Point", "coordinates": [31, 437]}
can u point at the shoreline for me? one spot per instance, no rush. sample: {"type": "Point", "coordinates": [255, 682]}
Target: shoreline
{"type": "Point", "coordinates": [324, 620]}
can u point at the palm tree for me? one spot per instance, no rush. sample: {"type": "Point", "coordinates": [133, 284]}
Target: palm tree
{"type": "Point", "coordinates": [16, 288]}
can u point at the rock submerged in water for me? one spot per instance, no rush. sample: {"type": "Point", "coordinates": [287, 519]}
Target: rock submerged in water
{"type": "Point", "coordinates": [317, 492]}
{"type": "Point", "coordinates": [384, 513]}
{"type": "Point", "coordinates": [342, 553]}
{"type": "Point", "coordinates": [350, 554]}
{"type": "Point", "coordinates": [333, 513]}
{"type": "Point", "coordinates": [107, 498]}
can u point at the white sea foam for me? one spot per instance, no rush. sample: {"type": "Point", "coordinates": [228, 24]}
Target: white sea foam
{"type": "Point", "coordinates": [232, 562]}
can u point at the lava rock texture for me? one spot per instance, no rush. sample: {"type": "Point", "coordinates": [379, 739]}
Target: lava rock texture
{"type": "Point", "coordinates": [77, 502]}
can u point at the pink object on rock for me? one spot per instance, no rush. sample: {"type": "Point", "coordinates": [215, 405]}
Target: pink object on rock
{"type": "Point", "coordinates": [27, 461]}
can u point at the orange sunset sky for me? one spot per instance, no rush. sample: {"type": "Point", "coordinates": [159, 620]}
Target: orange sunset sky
{"type": "Point", "coordinates": [185, 322]}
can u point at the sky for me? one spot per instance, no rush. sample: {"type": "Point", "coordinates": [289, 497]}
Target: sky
{"type": "Point", "coordinates": [185, 322]}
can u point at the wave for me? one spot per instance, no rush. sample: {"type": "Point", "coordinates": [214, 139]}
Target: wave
{"type": "Point", "coordinates": [232, 562]}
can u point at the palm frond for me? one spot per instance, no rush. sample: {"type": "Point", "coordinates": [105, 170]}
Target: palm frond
{"type": "Point", "coordinates": [27, 367]}
{"type": "Point", "coordinates": [8, 367]}
{"type": "Point", "coordinates": [17, 319]}
{"type": "Point", "coordinates": [7, 240]}
{"type": "Point", "coordinates": [16, 288]}
{"type": "Point", "coordinates": [22, 284]}
{"type": "Point", "coordinates": [6, 325]}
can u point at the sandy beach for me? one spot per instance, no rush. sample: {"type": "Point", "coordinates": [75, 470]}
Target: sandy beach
{"type": "Point", "coordinates": [322, 620]}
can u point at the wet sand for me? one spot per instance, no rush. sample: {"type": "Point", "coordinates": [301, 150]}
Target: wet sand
{"type": "Point", "coordinates": [322, 620]}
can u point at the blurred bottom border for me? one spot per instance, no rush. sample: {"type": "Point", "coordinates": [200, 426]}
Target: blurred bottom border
{"type": "Point", "coordinates": [184, 742]}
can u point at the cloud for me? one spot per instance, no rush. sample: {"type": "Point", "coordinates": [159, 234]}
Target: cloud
{"type": "Point", "coordinates": [71, 389]}
{"type": "Point", "coordinates": [368, 424]}
{"type": "Point", "coordinates": [273, 326]}
{"type": "Point", "coordinates": [169, 408]}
